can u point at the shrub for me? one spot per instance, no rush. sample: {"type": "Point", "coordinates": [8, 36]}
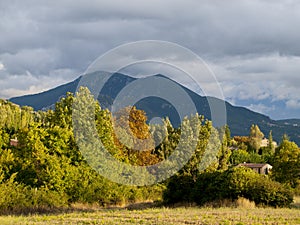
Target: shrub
{"type": "Point", "coordinates": [13, 196]}
{"type": "Point", "coordinates": [267, 192]}
{"type": "Point", "coordinates": [208, 188]}
{"type": "Point", "coordinates": [17, 198]}
{"type": "Point", "coordinates": [179, 189]}
{"type": "Point", "coordinates": [231, 185]}
{"type": "Point", "coordinates": [43, 198]}
{"type": "Point", "coordinates": [244, 182]}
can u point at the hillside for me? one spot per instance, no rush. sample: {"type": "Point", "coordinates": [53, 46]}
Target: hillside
{"type": "Point", "coordinates": [239, 118]}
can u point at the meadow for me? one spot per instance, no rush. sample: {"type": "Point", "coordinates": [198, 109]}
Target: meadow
{"type": "Point", "coordinates": [162, 215]}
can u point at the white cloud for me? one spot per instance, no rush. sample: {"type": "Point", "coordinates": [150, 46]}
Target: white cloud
{"type": "Point", "coordinates": [293, 104]}
{"type": "Point", "coordinates": [17, 85]}
{"type": "Point", "coordinates": [261, 108]}
{"type": "Point", "coordinates": [252, 45]}
{"type": "Point", "coordinates": [259, 77]}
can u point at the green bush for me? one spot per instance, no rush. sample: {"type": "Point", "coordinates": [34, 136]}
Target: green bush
{"type": "Point", "coordinates": [267, 192]}
{"type": "Point", "coordinates": [244, 182]}
{"type": "Point", "coordinates": [18, 198]}
{"type": "Point", "coordinates": [13, 196]}
{"type": "Point", "coordinates": [43, 198]}
{"type": "Point", "coordinates": [208, 188]}
{"type": "Point", "coordinates": [179, 189]}
{"type": "Point", "coordinates": [231, 184]}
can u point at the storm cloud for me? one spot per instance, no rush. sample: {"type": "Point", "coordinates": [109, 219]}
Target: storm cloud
{"type": "Point", "coordinates": [251, 45]}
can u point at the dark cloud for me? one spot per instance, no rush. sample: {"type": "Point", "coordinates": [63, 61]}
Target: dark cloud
{"type": "Point", "coordinates": [248, 43]}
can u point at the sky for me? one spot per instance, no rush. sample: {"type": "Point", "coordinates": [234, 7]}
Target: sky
{"type": "Point", "coordinates": [252, 46]}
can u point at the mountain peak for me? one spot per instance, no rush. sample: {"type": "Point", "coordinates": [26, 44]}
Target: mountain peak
{"type": "Point", "coordinates": [239, 118]}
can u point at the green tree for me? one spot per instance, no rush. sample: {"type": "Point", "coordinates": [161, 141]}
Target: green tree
{"type": "Point", "coordinates": [271, 146]}
{"type": "Point", "coordinates": [227, 134]}
{"type": "Point", "coordinates": [255, 137]}
{"type": "Point", "coordinates": [14, 117]}
{"type": "Point", "coordinates": [286, 164]}
{"type": "Point", "coordinates": [225, 151]}
{"type": "Point", "coordinates": [205, 157]}
{"type": "Point", "coordinates": [168, 137]}
{"type": "Point", "coordinates": [239, 156]}
{"type": "Point", "coordinates": [203, 133]}
{"type": "Point", "coordinates": [62, 115]}
{"type": "Point", "coordinates": [4, 139]}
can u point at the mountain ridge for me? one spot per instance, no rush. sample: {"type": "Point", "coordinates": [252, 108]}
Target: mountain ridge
{"type": "Point", "coordinates": [239, 118]}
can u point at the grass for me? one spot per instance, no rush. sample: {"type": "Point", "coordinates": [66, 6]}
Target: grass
{"type": "Point", "coordinates": [182, 215]}
{"type": "Point", "coordinates": [296, 202]}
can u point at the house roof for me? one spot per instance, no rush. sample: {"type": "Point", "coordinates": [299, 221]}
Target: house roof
{"type": "Point", "coordinates": [254, 165]}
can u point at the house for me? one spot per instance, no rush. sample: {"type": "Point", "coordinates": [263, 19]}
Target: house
{"type": "Point", "coordinates": [14, 142]}
{"type": "Point", "coordinates": [265, 143]}
{"type": "Point", "coordinates": [261, 168]}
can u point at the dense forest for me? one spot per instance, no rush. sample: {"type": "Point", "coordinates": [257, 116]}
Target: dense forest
{"type": "Point", "coordinates": [41, 166]}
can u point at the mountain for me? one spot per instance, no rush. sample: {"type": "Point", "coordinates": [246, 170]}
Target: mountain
{"type": "Point", "coordinates": [239, 119]}
{"type": "Point", "coordinates": [47, 99]}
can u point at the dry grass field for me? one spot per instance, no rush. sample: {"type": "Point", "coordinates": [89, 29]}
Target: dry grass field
{"type": "Point", "coordinates": [181, 215]}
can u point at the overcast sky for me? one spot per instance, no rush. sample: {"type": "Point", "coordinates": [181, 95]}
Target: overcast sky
{"type": "Point", "coordinates": [252, 46]}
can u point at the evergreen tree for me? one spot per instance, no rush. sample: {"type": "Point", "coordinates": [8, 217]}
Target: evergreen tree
{"type": "Point", "coordinates": [270, 143]}
{"type": "Point", "coordinates": [255, 137]}
{"type": "Point", "coordinates": [224, 154]}
{"type": "Point", "coordinates": [227, 134]}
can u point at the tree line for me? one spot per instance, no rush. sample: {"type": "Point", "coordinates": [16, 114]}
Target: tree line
{"type": "Point", "coordinates": [46, 169]}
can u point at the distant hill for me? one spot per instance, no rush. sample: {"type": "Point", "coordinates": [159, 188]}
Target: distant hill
{"type": "Point", "coordinates": [46, 99]}
{"type": "Point", "coordinates": [239, 119]}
